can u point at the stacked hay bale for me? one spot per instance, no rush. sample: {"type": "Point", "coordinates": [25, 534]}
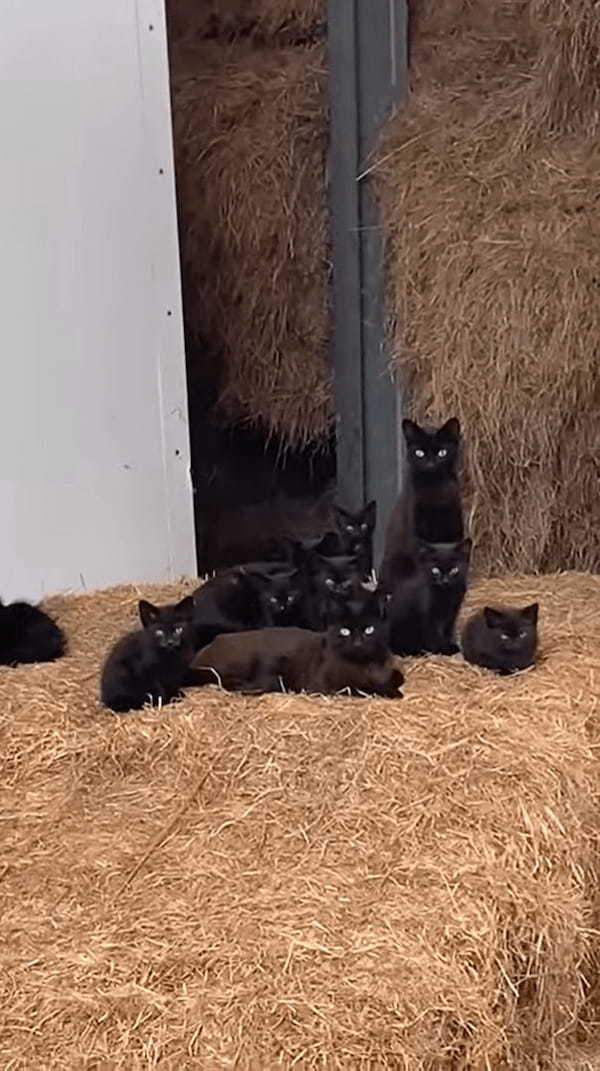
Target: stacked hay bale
{"type": "Point", "coordinates": [289, 881]}
{"type": "Point", "coordinates": [489, 186]}
{"type": "Point", "coordinates": [250, 131]}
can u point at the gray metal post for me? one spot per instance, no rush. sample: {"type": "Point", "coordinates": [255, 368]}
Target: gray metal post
{"type": "Point", "coordinates": [367, 44]}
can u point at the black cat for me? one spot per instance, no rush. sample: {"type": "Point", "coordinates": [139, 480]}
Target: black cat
{"type": "Point", "coordinates": [356, 535]}
{"type": "Point", "coordinates": [429, 507]}
{"type": "Point", "coordinates": [229, 601]}
{"type": "Point", "coordinates": [281, 598]}
{"type": "Point", "coordinates": [408, 599]}
{"type": "Point", "coordinates": [331, 578]}
{"type": "Point", "coordinates": [503, 640]}
{"type": "Point", "coordinates": [352, 655]}
{"type": "Point", "coordinates": [28, 634]}
{"type": "Point", "coordinates": [152, 664]}
{"type": "Point", "coordinates": [446, 567]}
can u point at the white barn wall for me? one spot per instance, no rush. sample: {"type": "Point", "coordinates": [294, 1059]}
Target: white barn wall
{"type": "Point", "coordinates": [94, 448]}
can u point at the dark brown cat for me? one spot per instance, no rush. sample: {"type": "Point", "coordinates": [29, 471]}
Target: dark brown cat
{"type": "Point", "coordinates": [352, 655]}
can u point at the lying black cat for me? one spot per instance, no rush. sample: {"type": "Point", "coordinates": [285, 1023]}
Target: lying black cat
{"type": "Point", "coordinates": [229, 601]}
{"type": "Point", "coordinates": [501, 639]}
{"type": "Point", "coordinates": [429, 507]}
{"type": "Point", "coordinates": [150, 665]}
{"type": "Point", "coordinates": [28, 634]}
{"type": "Point", "coordinates": [352, 655]}
{"type": "Point", "coordinates": [356, 535]}
{"type": "Point", "coordinates": [424, 593]}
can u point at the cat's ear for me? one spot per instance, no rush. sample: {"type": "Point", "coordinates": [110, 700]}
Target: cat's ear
{"type": "Point", "coordinates": [493, 618]}
{"type": "Point", "coordinates": [148, 612]}
{"type": "Point", "coordinates": [530, 613]}
{"type": "Point", "coordinates": [185, 607]}
{"type": "Point", "coordinates": [424, 550]}
{"type": "Point", "coordinates": [369, 514]}
{"type": "Point", "coordinates": [411, 430]}
{"type": "Point", "coordinates": [450, 430]}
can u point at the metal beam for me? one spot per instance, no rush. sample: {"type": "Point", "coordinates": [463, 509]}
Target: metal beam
{"type": "Point", "coordinates": [367, 80]}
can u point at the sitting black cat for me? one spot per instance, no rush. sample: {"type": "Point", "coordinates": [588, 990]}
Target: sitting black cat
{"type": "Point", "coordinates": [28, 634]}
{"type": "Point", "coordinates": [152, 664]}
{"type": "Point", "coordinates": [356, 535]}
{"type": "Point", "coordinates": [331, 578]}
{"type": "Point", "coordinates": [446, 567]}
{"type": "Point", "coordinates": [352, 655]}
{"type": "Point", "coordinates": [281, 598]}
{"type": "Point", "coordinates": [424, 593]}
{"type": "Point", "coordinates": [501, 639]}
{"type": "Point", "coordinates": [429, 506]}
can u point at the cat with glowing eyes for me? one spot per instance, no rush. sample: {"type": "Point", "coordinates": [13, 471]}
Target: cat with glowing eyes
{"type": "Point", "coordinates": [351, 656]}
{"type": "Point", "coordinates": [429, 507]}
{"type": "Point", "coordinates": [150, 665]}
{"type": "Point", "coordinates": [445, 567]}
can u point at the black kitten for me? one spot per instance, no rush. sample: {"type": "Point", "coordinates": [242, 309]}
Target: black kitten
{"type": "Point", "coordinates": [28, 634]}
{"type": "Point", "coordinates": [332, 578]}
{"type": "Point", "coordinates": [152, 664]}
{"type": "Point", "coordinates": [356, 535]}
{"type": "Point", "coordinates": [429, 507]}
{"type": "Point", "coordinates": [352, 655]}
{"type": "Point", "coordinates": [446, 567]}
{"type": "Point", "coordinates": [229, 601]}
{"type": "Point", "coordinates": [280, 598]}
{"type": "Point", "coordinates": [501, 639]}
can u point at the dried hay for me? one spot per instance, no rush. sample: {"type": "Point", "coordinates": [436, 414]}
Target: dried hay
{"type": "Point", "coordinates": [250, 131]}
{"type": "Point", "coordinates": [270, 22]}
{"type": "Point", "coordinates": [296, 881]}
{"type": "Point", "coordinates": [489, 188]}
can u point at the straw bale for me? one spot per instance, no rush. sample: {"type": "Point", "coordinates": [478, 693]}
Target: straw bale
{"type": "Point", "coordinates": [489, 197]}
{"type": "Point", "coordinates": [250, 129]}
{"type": "Point", "coordinates": [271, 22]}
{"type": "Point", "coordinates": [293, 881]}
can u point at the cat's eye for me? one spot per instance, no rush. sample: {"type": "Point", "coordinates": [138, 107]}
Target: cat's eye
{"type": "Point", "coordinates": [344, 632]}
{"type": "Point", "coordinates": [435, 571]}
{"type": "Point", "coordinates": [443, 452]}
{"type": "Point", "coordinates": [273, 600]}
{"type": "Point", "coordinates": [369, 630]}
{"type": "Point", "coordinates": [364, 527]}
{"type": "Point", "coordinates": [454, 570]}
{"type": "Point", "coordinates": [329, 583]}
{"type": "Point", "coordinates": [291, 599]}
{"type": "Point", "coordinates": [350, 528]}
{"type": "Point", "coordinates": [159, 634]}
{"type": "Point", "coordinates": [522, 634]}
{"type": "Point", "coordinates": [504, 636]}
{"type": "Point", "coordinates": [179, 630]}
{"type": "Point", "coordinates": [419, 453]}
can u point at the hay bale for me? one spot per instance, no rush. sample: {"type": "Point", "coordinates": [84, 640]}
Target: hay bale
{"type": "Point", "coordinates": [270, 22]}
{"type": "Point", "coordinates": [292, 881]}
{"type": "Point", "coordinates": [251, 141]}
{"type": "Point", "coordinates": [493, 265]}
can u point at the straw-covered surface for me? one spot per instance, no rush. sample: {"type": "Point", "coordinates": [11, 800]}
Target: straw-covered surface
{"type": "Point", "coordinates": [268, 22]}
{"type": "Point", "coordinates": [250, 131]}
{"type": "Point", "coordinates": [294, 881]}
{"type": "Point", "coordinates": [489, 186]}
